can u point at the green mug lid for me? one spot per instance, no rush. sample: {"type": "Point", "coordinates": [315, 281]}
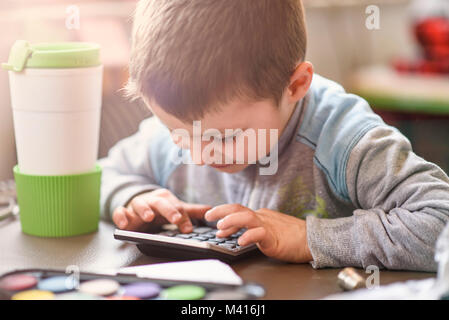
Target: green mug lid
{"type": "Point", "coordinates": [52, 55]}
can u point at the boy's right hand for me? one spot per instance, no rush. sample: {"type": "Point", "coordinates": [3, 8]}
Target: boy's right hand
{"type": "Point", "coordinates": [157, 207]}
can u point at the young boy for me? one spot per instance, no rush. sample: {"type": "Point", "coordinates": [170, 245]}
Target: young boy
{"type": "Point", "coordinates": [330, 183]}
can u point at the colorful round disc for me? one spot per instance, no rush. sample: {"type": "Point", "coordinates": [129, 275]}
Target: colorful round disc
{"type": "Point", "coordinates": [100, 287]}
{"type": "Point", "coordinates": [33, 295]}
{"type": "Point", "coordinates": [17, 282]}
{"type": "Point", "coordinates": [142, 290]}
{"type": "Point", "coordinates": [184, 292]}
{"type": "Point", "coordinates": [56, 284]}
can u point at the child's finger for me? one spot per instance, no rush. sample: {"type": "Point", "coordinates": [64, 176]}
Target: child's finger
{"type": "Point", "coordinates": [195, 210]}
{"type": "Point", "coordinates": [167, 194]}
{"type": "Point", "coordinates": [141, 207]}
{"type": "Point", "coordinates": [169, 211]}
{"type": "Point", "coordinates": [223, 210]}
{"type": "Point", "coordinates": [243, 219]}
{"type": "Point", "coordinates": [185, 224]}
{"type": "Point", "coordinates": [250, 236]}
{"type": "Point", "coordinates": [119, 217]}
{"type": "Point", "coordinates": [135, 223]}
{"type": "Point", "coordinates": [227, 232]}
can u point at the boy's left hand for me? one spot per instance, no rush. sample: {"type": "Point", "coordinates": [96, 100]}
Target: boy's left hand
{"type": "Point", "coordinates": [276, 234]}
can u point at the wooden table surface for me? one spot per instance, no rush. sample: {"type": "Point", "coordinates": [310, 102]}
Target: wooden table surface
{"type": "Point", "coordinates": [99, 251]}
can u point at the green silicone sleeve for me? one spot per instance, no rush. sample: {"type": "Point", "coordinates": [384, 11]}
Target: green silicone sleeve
{"type": "Point", "coordinates": [59, 206]}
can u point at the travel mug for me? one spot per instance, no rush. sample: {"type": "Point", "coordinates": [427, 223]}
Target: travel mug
{"type": "Point", "coordinates": [56, 91]}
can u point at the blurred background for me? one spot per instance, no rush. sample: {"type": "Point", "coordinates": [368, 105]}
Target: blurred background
{"type": "Point", "coordinates": [394, 53]}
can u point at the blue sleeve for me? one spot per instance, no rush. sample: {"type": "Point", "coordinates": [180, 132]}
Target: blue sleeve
{"type": "Point", "coordinates": [333, 123]}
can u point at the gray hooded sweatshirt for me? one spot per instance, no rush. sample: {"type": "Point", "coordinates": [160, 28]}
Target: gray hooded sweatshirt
{"type": "Point", "coordinates": [366, 197]}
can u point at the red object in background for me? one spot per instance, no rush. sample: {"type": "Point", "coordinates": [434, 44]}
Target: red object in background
{"type": "Point", "coordinates": [421, 66]}
{"type": "Point", "coordinates": [433, 31]}
{"type": "Point", "coordinates": [405, 66]}
{"type": "Point", "coordinates": [425, 66]}
{"type": "Point", "coordinates": [436, 52]}
{"type": "Point", "coordinates": [433, 36]}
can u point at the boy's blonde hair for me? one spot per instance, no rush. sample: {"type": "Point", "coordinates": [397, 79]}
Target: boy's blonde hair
{"type": "Point", "coordinates": [192, 56]}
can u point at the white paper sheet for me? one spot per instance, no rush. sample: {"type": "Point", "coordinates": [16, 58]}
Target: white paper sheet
{"type": "Point", "coordinates": [207, 270]}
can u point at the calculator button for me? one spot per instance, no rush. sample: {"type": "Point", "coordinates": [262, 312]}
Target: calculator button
{"type": "Point", "coordinates": [235, 235]}
{"type": "Point", "coordinates": [218, 240]}
{"type": "Point", "coordinates": [200, 238]}
{"type": "Point", "coordinates": [231, 241]}
{"type": "Point", "coordinates": [183, 236]}
{"type": "Point", "coordinates": [201, 230]}
{"type": "Point", "coordinates": [168, 233]}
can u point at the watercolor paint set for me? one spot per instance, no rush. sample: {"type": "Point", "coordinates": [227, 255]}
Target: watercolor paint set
{"type": "Point", "coordinates": [43, 284]}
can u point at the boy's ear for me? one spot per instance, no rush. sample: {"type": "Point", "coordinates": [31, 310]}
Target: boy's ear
{"type": "Point", "coordinates": [300, 81]}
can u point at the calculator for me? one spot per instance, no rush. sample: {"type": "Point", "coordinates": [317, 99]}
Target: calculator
{"type": "Point", "coordinates": [201, 243]}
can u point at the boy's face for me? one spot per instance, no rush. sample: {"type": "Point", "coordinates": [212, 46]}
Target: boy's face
{"type": "Point", "coordinates": [232, 138]}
